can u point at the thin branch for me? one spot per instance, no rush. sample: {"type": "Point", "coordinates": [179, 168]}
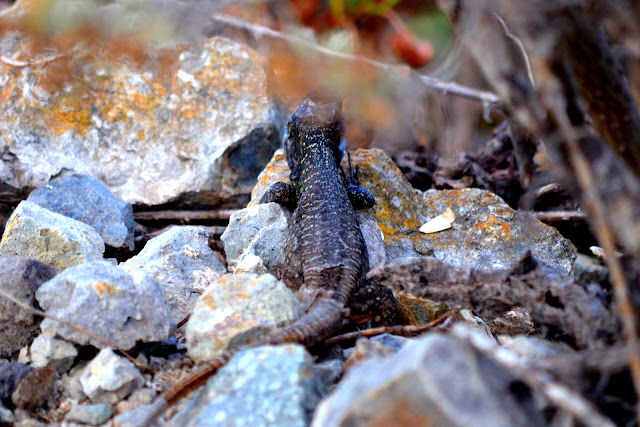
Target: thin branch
{"type": "Point", "coordinates": [440, 86]}
{"type": "Point", "coordinates": [108, 343]}
{"type": "Point", "coordinates": [208, 215]}
{"type": "Point", "coordinates": [560, 216]}
{"type": "Point", "coordinates": [396, 330]}
{"type": "Point", "coordinates": [591, 197]}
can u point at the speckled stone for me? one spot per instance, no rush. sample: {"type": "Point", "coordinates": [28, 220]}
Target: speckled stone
{"type": "Point", "coordinates": [91, 414]}
{"type": "Point", "coordinates": [436, 380]}
{"type": "Point", "coordinates": [265, 386]}
{"type": "Point", "coordinates": [109, 378]}
{"type": "Point", "coordinates": [486, 232]}
{"type": "Point", "coordinates": [259, 230]}
{"type": "Point", "coordinates": [51, 238]}
{"type": "Point", "coordinates": [84, 198]}
{"type": "Point", "coordinates": [182, 264]}
{"type": "Point", "coordinates": [119, 306]}
{"type": "Point", "coordinates": [237, 309]}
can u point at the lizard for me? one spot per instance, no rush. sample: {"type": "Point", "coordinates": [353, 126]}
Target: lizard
{"type": "Point", "coordinates": [325, 254]}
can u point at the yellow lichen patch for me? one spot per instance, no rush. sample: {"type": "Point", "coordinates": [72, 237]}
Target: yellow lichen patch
{"type": "Point", "coordinates": [106, 288]}
{"type": "Point", "coordinates": [420, 311]}
{"type": "Point", "coordinates": [494, 227]}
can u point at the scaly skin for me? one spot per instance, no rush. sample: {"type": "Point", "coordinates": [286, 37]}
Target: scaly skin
{"type": "Point", "coordinates": [325, 249]}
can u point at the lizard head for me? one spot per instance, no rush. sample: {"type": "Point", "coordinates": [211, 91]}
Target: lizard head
{"type": "Point", "coordinates": [317, 120]}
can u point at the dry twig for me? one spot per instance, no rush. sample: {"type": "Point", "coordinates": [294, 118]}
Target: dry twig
{"type": "Point", "coordinates": [396, 330]}
{"type": "Point", "coordinates": [432, 83]}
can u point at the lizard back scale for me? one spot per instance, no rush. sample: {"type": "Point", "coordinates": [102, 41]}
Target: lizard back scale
{"type": "Point", "coordinates": [325, 253]}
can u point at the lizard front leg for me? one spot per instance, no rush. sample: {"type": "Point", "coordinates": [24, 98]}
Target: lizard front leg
{"type": "Point", "coordinates": [360, 197]}
{"type": "Point", "coordinates": [283, 194]}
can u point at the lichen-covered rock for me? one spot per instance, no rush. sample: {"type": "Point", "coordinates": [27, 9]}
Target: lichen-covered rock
{"type": "Point", "coordinates": [84, 198]}
{"type": "Point", "coordinates": [259, 230]}
{"type": "Point", "coordinates": [265, 386]}
{"type": "Point", "coordinates": [19, 277]}
{"type": "Point", "coordinates": [437, 380]}
{"type": "Point", "coordinates": [178, 260]}
{"type": "Point", "coordinates": [486, 232]}
{"type": "Point", "coordinates": [51, 238]}
{"type": "Point", "coordinates": [109, 378]}
{"type": "Point", "coordinates": [196, 132]}
{"type": "Point", "coordinates": [235, 310]}
{"type": "Point", "coordinates": [121, 307]}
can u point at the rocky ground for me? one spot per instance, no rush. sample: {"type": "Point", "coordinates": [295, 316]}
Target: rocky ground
{"type": "Point", "coordinates": [517, 321]}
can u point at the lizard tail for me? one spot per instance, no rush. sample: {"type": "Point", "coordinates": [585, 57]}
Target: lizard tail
{"type": "Point", "coordinates": [323, 319]}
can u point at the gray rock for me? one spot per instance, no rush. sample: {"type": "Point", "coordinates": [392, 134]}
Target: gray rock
{"type": "Point", "coordinates": [92, 414]}
{"type": "Point", "coordinates": [199, 132]}
{"type": "Point", "coordinates": [374, 239]}
{"type": "Point", "coordinates": [178, 260]}
{"type": "Point", "coordinates": [265, 386]}
{"type": "Point", "coordinates": [84, 198]}
{"type": "Point", "coordinates": [6, 416]}
{"type": "Point", "coordinates": [437, 380]}
{"type": "Point", "coordinates": [109, 378]}
{"type": "Point", "coordinates": [121, 307]}
{"type": "Point", "coordinates": [377, 347]}
{"type": "Point", "coordinates": [486, 233]}
{"type": "Point", "coordinates": [250, 263]}
{"type": "Point", "coordinates": [51, 238]}
{"type": "Point", "coordinates": [235, 310]}
{"type": "Point", "coordinates": [19, 277]}
{"type": "Point", "coordinates": [10, 376]}
{"type": "Point", "coordinates": [52, 352]}
{"type": "Point", "coordinates": [258, 230]}
{"type": "Point", "coordinates": [133, 418]}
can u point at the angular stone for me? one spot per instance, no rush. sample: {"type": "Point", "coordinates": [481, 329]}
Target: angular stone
{"type": "Point", "coordinates": [259, 230]}
{"type": "Point", "coordinates": [51, 238]}
{"type": "Point", "coordinates": [265, 386]}
{"type": "Point", "coordinates": [19, 277]}
{"type": "Point", "coordinates": [10, 376]}
{"type": "Point", "coordinates": [34, 389]}
{"type": "Point", "coordinates": [486, 232]}
{"type": "Point", "coordinates": [437, 380]}
{"type": "Point", "coordinates": [84, 198]}
{"type": "Point", "coordinates": [91, 414]}
{"type": "Point", "coordinates": [121, 307]}
{"type": "Point", "coordinates": [109, 378]}
{"type": "Point", "coordinates": [178, 260]}
{"type": "Point", "coordinates": [52, 352]}
{"type": "Point", "coordinates": [236, 310]}
{"type": "Point", "coordinates": [196, 132]}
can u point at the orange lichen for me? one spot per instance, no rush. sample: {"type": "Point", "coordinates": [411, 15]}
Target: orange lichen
{"type": "Point", "coordinates": [105, 288]}
{"type": "Point", "coordinates": [492, 225]}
